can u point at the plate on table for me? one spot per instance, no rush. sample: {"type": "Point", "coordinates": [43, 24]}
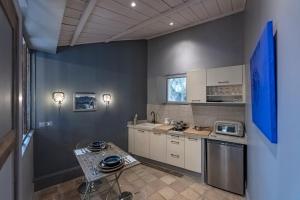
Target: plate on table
{"type": "Point", "coordinates": [105, 168]}
{"type": "Point", "coordinates": [97, 146]}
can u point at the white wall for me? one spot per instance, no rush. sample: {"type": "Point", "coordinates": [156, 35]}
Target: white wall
{"type": "Point", "coordinates": [273, 170]}
{"type": "Point", "coordinates": [215, 44]}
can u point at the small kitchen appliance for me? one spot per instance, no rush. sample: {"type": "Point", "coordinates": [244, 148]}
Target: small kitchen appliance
{"type": "Point", "coordinates": [231, 128]}
{"type": "Point", "coordinates": [180, 126]}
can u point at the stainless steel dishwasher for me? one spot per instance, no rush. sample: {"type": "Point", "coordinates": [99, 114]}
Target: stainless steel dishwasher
{"type": "Point", "coordinates": [225, 166]}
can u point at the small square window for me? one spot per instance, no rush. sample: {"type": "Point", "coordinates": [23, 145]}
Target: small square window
{"type": "Point", "coordinates": [176, 89]}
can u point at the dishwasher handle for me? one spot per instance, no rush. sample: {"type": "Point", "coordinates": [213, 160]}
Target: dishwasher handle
{"type": "Point", "coordinates": [217, 142]}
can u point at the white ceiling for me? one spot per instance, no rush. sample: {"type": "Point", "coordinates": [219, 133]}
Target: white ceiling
{"type": "Point", "coordinates": [41, 33]}
{"type": "Point", "coordinates": [91, 21]}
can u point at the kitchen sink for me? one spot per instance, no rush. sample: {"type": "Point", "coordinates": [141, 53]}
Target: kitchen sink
{"type": "Point", "coordinates": [147, 125]}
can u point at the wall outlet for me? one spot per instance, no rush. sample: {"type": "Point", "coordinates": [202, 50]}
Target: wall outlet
{"type": "Point", "coordinates": [45, 124]}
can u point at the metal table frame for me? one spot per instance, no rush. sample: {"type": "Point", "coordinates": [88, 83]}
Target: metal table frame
{"type": "Point", "coordinates": [88, 160]}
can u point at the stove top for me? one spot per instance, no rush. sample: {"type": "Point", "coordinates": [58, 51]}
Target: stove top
{"type": "Point", "coordinates": [179, 128]}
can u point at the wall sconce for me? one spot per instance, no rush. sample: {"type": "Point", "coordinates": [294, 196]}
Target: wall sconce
{"type": "Point", "coordinates": [106, 99]}
{"type": "Point", "coordinates": [58, 97]}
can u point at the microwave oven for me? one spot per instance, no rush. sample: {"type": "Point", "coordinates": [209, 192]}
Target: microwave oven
{"type": "Point", "coordinates": [231, 128]}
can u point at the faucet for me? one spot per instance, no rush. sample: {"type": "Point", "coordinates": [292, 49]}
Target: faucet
{"type": "Point", "coordinates": [153, 117]}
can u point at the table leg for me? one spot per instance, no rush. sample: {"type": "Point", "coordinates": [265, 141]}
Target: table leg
{"type": "Point", "coordinates": [87, 193]}
{"type": "Point", "coordinates": [117, 176]}
{"type": "Point", "coordinates": [118, 184]}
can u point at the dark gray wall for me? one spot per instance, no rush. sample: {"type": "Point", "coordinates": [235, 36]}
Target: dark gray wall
{"type": "Point", "coordinates": [7, 172]}
{"type": "Point", "coordinates": [119, 68]}
{"type": "Point", "coordinates": [214, 44]}
{"type": "Point", "coordinates": [273, 170]}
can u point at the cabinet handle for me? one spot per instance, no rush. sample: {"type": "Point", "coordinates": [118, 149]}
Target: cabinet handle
{"type": "Point", "coordinates": [220, 82]}
{"type": "Point", "coordinates": [193, 139]}
{"type": "Point", "coordinates": [196, 100]}
{"type": "Point", "coordinates": [174, 142]}
{"type": "Point", "coordinates": [141, 131]}
{"type": "Point", "coordinates": [156, 133]}
{"type": "Point", "coordinates": [175, 136]}
{"type": "Point", "coordinates": [174, 155]}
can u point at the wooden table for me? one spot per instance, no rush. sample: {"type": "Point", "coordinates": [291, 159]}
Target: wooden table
{"type": "Point", "coordinates": [89, 164]}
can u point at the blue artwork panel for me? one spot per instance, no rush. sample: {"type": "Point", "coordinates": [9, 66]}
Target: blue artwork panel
{"type": "Point", "coordinates": [177, 89]}
{"type": "Point", "coordinates": [263, 85]}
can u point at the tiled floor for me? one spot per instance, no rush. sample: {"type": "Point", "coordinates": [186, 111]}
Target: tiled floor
{"type": "Point", "coordinates": [145, 183]}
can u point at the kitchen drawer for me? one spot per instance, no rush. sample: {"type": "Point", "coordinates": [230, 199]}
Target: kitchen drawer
{"type": "Point", "coordinates": [176, 159]}
{"type": "Point", "coordinates": [175, 145]}
{"type": "Point", "coordinates": [175, 150]}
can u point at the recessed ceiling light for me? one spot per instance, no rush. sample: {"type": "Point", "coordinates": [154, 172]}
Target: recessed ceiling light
{"type": "Point", "coordinates": [171, 24]}
{"type": "Point", "coordinates": [133, 4]}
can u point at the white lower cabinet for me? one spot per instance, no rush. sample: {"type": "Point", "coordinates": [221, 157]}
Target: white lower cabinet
{"type": "Point", "coordinates": [142, 143]}
{"type": "Point", "coordinates": [175, 150]}
{"type": "Point", "coordinates": [178, 150]}
{"type": "Point", "coordinates": [158, 149]}
{"type": "Point", "coordinates": [193, 154]}
{"type": "Point", "coordinates": [131, 133]}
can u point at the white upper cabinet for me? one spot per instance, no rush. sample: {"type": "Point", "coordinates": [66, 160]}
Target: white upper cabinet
{"type": "Point", "coordinates": [196, 86]}
{"type": "Point", "coordinates": [225, 76]}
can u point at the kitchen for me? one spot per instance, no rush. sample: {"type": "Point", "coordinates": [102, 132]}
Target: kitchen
{"type": "Point", "coordinates": [192, 144]}
{"type": "Point", "coordinates": [149, 99]}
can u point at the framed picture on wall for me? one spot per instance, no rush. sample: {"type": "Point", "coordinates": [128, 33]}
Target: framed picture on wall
{"type": "Point", "coordinates": [84, 102]}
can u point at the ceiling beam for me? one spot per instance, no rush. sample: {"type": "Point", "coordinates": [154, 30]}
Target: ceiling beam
{"type": "Point", "coordinates": [154, 19]}
{"type": "Point", "coordinates": [196, 23]}
{"type": "Point", "coordinates": [84, 17]}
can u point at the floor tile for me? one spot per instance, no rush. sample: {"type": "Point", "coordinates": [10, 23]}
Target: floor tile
{"type": "Point", "coordinates": [178, 186]}
{"type": "Point", "coordinates": [199, 188]}
{"type": "Point", "coordinates": [149, 178]}
{"type": "Point", "coordinates": [168, 193]}
{"type": "Point", "coordinates": [131, 177]}
{"type": "Point", "coordinates": [157, 184]}
{"type": "Point", "coordinates": [156, 196]}
{"type": "Point", "coordinates": [168, 179]}
{"type": "Point", "coordinates": [179, 197]}
{"type": "Point", "coordinates": [139, 183]}
{"type": "Point", "coordinates": [190, 194]}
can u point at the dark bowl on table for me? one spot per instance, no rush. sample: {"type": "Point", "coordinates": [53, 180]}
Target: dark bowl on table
{"type": "Point", "coordinates": [97, 144]}
{"type": "Point", "coordinates": [112, 161]}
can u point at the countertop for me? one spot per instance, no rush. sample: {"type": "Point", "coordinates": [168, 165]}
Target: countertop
{"type": "Point", "coordinates": [206, 134]}
{"type": "Point", "coordinates": [202, 133]}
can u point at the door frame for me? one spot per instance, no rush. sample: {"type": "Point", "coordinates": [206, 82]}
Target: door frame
{"type": "Point", "coordinates": [10, 140]}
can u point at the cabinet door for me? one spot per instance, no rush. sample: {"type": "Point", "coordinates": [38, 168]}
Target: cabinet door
{"type": "Point", "coordinates": [225, 76]}
{"type": "Point", "coordinates": [141, 143]}
{"type": "Point", "coordinates": [196, 86]}
{"type": "Point", "coordinates": [193, 154]}
{"type": "Point", "coordinates": [131, 134]}
{"type": "Point", "coordinates": [158, 147]}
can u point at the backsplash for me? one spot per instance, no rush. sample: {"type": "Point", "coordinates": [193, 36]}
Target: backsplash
{"type": "Point", "coordinates": [200, 115]}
